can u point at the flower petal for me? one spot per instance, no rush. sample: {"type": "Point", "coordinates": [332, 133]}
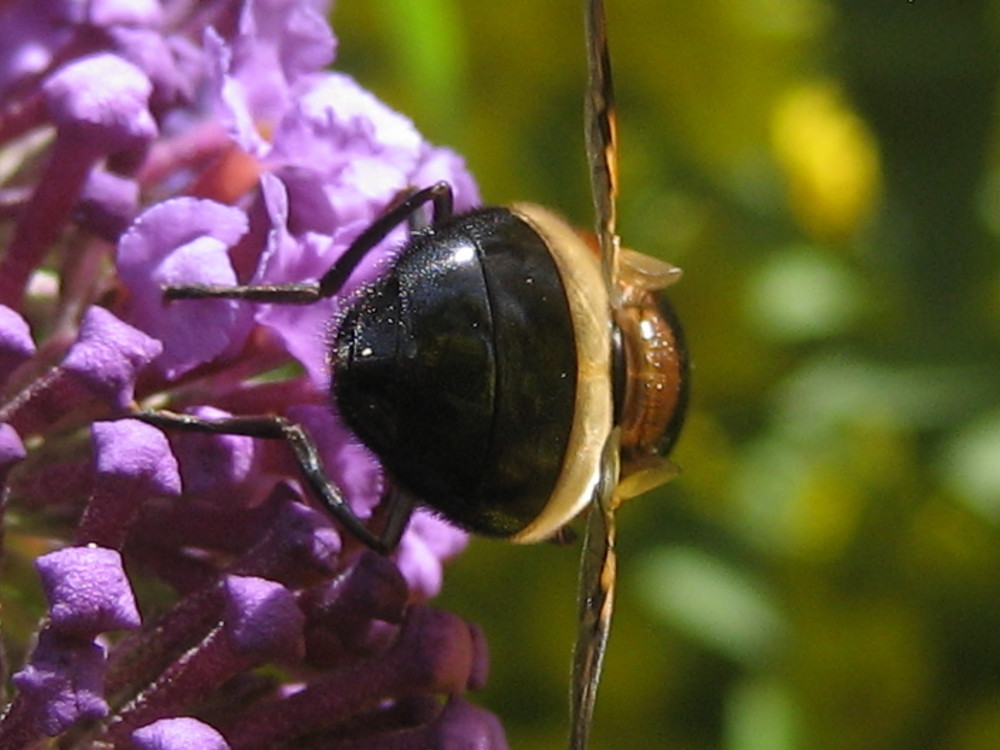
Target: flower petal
{"type": "Point", "coordinates": [107, 356]}
{"type": "Point", "coordinates": [16, 344]}
{"type": "Point", "coordinates": [63, 682]}
{"type": "Point", "coordinates": [88, 591]}
{"type": "Point", "coordinates": [263, 619]}
{"type": "Point", "coordinates": [104, 100]}
{"type": "Point", "coordinates": [183, 241]}
{"type": "Point", "coordinates": [134, 463]}
{"type": "Point", "coordinates": [181, 733]}
{"type": "Point", "coordinates": [12, 450]}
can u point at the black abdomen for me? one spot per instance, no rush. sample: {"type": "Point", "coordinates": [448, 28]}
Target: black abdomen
{"type": "Point", "coordinates": [459, 370]}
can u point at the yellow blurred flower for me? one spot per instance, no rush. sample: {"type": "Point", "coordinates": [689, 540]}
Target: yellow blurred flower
{"type": "Point", "coordinates": [830, 160]}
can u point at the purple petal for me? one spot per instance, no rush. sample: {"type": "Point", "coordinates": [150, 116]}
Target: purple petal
{"type": "Point", "coordinates": [134, 462]}
{"type": "Point", "coordinates": [99, 104]}
{"type": "Point", "coordinates": [219, 467]}
{"type": "Point", "coordinates": [335, 120]}
{"type": "Point", "coordinates": [263, 619]}
{"type": "Point", "coordinates": [137, 455]}
{"type": "Point", "coordinates": [233, 105]}
{"type": "Point", "coordinates": [107, 356]}
{"type": "Point", "coordinates": [181, 241]}
{"type": "Point", "coordinates": [125, 12]}
{"type": "Point", "coordinates": [434, 653]}
{"type": "Point", "coordinates": [371, 588]}
{"type": "Point", "coordinates": [16, 344]}
{"type": "Point", "coordinates": [463, 726]}
{"type": "Point", "coordinates": [300, 544]}
{"type": "Point", "coordinates": [63, 682]}
{"type": "Point", "coordinates": [29, 38]}
{"type": "Point", "coordinates": [176, 528]}
{"type": "Point", "coordinates": [344, 613]}
{"type": "Point", "coordinates": [88, 591]}
{"type": "Point", "coordinates": [104, 99]}
{"type": "Point", "coordinates": [365, 150]}
{"type": "Point", "coordinates": [418, 723]}
{"type": "Point", "coordinates": [280, 246]}
{"type": "Point", "coordinates": [419, 566]}
{"type": "Point", "coordinates": [11, 450]}
{"type": "Point", "coordinates": [181, 733]}
{"type": "Point", "coordinates": [442, 539]}
{"type": "Point", "coordinates": [108, 204]}
{"type": "Point", "coordinates": [277, 42]}
{"type": "Point", "coordinates": [314, 213]}
{"type": "Point", "coordinates": [427, 543]}
{"type": "Point", "coordinates": [173, 77]}
{"type": "Point", "coordinates": [301, 328]}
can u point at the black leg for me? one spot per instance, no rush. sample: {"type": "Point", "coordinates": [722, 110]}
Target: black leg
{"type": "Point", "coordinates": [441, 199]}
{"type": "Point", "coordinates": [284, 294]}
{"type": "Point", "coordinates": [399, 508]}
{"type": "Point", "coordinates": [418, 220]}
{"type": "Point", "coordinates": [440, 196]}
{"type": "Point", "coordinates": [307, 457]}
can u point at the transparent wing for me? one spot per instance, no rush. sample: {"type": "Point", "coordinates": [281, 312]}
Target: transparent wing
{"type": "Point", "coordinates": [597, 568]}
{"type": "Point", "coordinates": [600, 129]}
{"type": "Point", "coordinates": [596, 598]}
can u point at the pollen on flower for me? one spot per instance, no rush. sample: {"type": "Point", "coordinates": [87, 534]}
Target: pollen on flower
{"type": "Point", "coordinates": [187, 593]}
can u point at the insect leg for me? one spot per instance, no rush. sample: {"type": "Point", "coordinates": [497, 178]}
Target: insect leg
{"type": "Point", "coordinates": [306, 456]}
{"type": "Point", "coordinates": [399, 508]}
{"type": "Point", "coordinates": [305, 293]}
{"type": "Point", "coordinates": [440, 196]}
{"type": "Point", "coordinates": [442, 200]}
{"type": "Point", "coordinates": [285, 294]}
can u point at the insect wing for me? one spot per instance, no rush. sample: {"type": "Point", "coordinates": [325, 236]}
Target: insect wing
{"type": "Point", "coordinates": [598, 565]}
{"type": "Point", "coordinates": [601, 133]}
{"type": "Point", "coordinates": [596, 598]}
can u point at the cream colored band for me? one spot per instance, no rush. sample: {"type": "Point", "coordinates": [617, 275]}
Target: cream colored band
{"type": "Point", "coordinates": [592, 418]}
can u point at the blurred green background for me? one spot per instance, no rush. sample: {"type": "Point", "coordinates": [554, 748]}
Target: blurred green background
{"type": "Point", "coordinates": [826, 572]}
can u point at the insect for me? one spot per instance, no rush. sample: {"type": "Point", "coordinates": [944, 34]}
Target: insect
{"type": "Point", "coordinates": [508, 374]}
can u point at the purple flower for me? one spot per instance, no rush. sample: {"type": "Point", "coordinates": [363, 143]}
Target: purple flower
{"type": "Point", "coordinates": [203, 143]}
{"type": "Point", "coordinates": [88, 591]}
{"type": "Point", "coordinates": [61, 684]}
{"type": "Point", "coordinates": [182, 733]}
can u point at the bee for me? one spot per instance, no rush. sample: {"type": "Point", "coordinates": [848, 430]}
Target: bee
{"type": "Point", "coordinates": [509, 374]}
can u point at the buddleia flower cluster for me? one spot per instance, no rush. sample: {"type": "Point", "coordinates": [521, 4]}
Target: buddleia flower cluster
{"type": "Point", "coordinates": [171, 589]}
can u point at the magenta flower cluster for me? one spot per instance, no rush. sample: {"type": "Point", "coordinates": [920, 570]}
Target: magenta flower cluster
{"type": "Point", "coordinates": [192, 598]}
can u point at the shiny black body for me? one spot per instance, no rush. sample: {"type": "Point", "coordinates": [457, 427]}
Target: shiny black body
{"type": "Point", "coordinates": [458, 368]}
